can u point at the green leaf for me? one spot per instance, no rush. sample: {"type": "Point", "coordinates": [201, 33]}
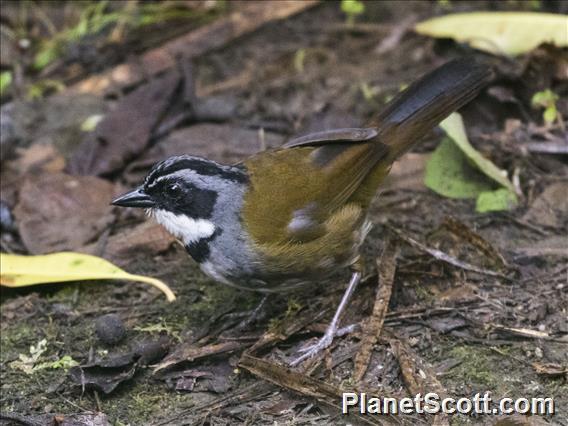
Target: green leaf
{"type": "Point", "coordinates": [65, 363]}
{"type": "Point", "coordinates": [47, 54]}
{"type": "Point", "coordinates": [491, 201]}
{"type": "Point", "coordinates": [21, 271]}
{"type": "Point", "coordinates": [299, 60]}
{"type": "Point", "coordinates": [91, 122]}
{"type": "Point", "coordinates": [454, 128]}
{"type": "Point", "coordinates": [5, 81]}
{"type": "Point", "coordinates": [457, 170]}
{"type": "Point", "coordinates": [550, 114]}
{"type": "Point", "coordinates": [544, 98]}
{"type": "Point", "coordinates": [509, 33]}
{"type": "Point", "coordinates": [352, 7]}
{"type": "Point", "coordinates": [449, 173]}
{"type": "Point", "coordinates": [38, 89]}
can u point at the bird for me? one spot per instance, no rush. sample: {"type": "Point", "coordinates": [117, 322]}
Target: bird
{"type": "Point", "coordinates": [294, 215]}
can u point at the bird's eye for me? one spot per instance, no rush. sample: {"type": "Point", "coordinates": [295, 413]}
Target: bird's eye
{"type": "Point", "coordinates": [174, 190]}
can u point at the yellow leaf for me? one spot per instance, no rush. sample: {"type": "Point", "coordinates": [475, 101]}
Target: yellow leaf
{"type": "Point", "coordinates": [510, 33]}
{"type": "Point", "coordinates": [21, 271]}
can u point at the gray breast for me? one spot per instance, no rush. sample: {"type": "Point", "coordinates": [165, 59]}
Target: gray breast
{"type": "Point", "coordinates": [231, 255]}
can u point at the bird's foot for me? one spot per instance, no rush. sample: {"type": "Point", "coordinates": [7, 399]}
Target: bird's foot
{"type": "Point", "coordinates": [323, 343]}
{"type": "Point", "coordinates": [331, 331]}
{"type": "Point", "coordinates": [313, 350]}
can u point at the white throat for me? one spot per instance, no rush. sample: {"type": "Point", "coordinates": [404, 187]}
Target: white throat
{"type": "Point", "coordinates": [185, 228]}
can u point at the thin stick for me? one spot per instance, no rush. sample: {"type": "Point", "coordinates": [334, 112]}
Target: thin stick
{"type": "Point", "coordinates": [386, 266]}
{"type": "Point", "coordinates": [418, 376]}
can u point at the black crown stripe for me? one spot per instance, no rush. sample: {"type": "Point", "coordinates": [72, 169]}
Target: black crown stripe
{"type": "Point", "coordinates": [201, 166]}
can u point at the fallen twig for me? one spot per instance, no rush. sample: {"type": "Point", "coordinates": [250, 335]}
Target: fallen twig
{"type": "Point", "coordinates": [527, 333]}
{"type": "Point", "coordinates": [558, 147]}
{"type": "Point", "coordinates": [418, 377]}
{"type": "Point", "coordinates": [444, 257]}
{"type": "Point", "coordinates": [282, 376]}
{"type": "Point", "coordinates": [386, 266]}
{"type": "Point", "coordinates": [191, 352]}
{"type": "Point", "coordinates": [525, 252]}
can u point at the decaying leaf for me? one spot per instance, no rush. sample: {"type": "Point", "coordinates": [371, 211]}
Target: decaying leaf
{"type": "Point", "coordinates": [59, 212]}
{"type": "Point", "coordinates": [325, 393]}
{"type": "Point", "coordinates": [550, 207]}
{"type": "Point", "coordinates": [21, 271]}
{"type": "Point", "coordinates": [444, 257]}
{"type": "Point", "coordinates": [407, 173]}
{"type": "Point", "coordinates": [148, 238]}
{"type": "Point", "coordinates": [465, 233]}
{"type": "Point", "coordinates": [550, 369]}
{"type": "Point", "coordinates": [210, 378]}
{"type": "Point", "coordinates": [106, 374]}
{"type": "Point", "coordinates": [124, 133]}
{"type": "Point", "coordinates": [226, 143]}
{"type": "Point", "coordinates": [39, 157]}
{"type": "Point", "coordinates": [501, 33]}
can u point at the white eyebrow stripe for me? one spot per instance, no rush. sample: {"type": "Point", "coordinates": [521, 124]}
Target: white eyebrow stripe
{"type": "Point", "coordinates": [159, 179]}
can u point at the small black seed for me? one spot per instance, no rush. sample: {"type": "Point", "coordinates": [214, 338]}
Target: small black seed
{"type": "Point", "coordinates": [110, 329]}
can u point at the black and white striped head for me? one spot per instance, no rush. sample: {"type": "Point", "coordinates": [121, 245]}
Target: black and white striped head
{"type": "Point", "coordinates": [182, 193]}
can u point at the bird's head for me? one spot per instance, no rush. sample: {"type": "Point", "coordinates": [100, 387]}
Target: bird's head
{"type": "Point", "coordinates": [182, 193]}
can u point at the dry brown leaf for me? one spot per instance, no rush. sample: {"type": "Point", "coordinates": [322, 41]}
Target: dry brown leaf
{"type": "Point", "coordinates": [550, 369]}
{"type": "Point", "coordinates": [550, 207]}
{"type": "Point", "coordinates": [225, 143]}
{"type": "Point", "coordinates": [39, 157]}
{"type": "Point", "coordinates": [58, 212]}
{"type": "Point", "coordinates": [145, 238]}
{"type": "Point", "coordinates": [407, 173]}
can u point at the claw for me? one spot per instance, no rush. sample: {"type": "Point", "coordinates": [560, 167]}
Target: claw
{"type": "Point", "coordinates": [313, 350]}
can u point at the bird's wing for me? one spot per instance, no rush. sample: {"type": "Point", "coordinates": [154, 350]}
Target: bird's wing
{"type": "Point", "coordinates": [333, 136]}
{"type": "Point", "coordinates": [295, 190]}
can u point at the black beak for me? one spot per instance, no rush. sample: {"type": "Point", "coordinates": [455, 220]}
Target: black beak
{"type": "Point", "coordinates": [135, 198]}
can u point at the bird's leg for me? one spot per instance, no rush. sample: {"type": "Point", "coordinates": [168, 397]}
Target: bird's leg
{"type": "Point", "coordinates": [254, 315]}
{"type": "Point", "coordinates": [329, 334]}
{"type": "Point", "coordinates": [249, 318]}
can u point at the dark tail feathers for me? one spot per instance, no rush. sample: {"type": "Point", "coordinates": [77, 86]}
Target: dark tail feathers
{"type": "Point", "coordinates": [426, 102]}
